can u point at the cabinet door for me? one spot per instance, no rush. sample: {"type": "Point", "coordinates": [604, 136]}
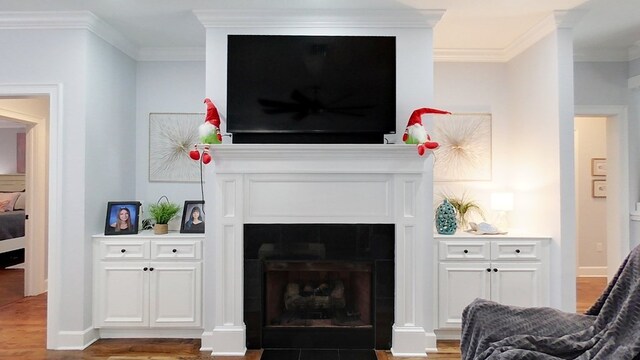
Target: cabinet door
{"type": "Point", "coordinates": [517, 284]}
{"type": "Point", "coordinates": [122, 294]}
{"type": "Point", "coordinates": [175, 294]}
{"type": "Point", "coordinates": [460, 283]}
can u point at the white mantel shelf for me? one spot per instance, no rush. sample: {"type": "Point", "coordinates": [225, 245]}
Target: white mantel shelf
{"type": "Point", "coordinates": [318, 158]}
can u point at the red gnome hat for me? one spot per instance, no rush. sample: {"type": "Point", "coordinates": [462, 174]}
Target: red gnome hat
{"type": "Point", "coordinates": [212, 113]}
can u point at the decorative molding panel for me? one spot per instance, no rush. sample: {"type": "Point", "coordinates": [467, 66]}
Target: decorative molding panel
{"type": "Point", "coordinates": [320, 18]}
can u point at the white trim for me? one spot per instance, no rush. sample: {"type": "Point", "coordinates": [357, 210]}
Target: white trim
{"type": "Point", "coordinates": [600, 55]}
{"type": "Point", "coordinates": [592, 271]}
{"type": "Point", "coordinates": [15, 20]}
{"type": "Point", "coordinates": [320, 18]}
{"type": "Point", "coordinates": [172, 54]}
{"type": "Point", "coordinates": [634, 82]}
{"type": "Point", "coordinates": [469, 55]}
{"type": "Point", "coordinates": [77, 340]}
{"type": "Point", "coordinates": [635, 216]}
{"type": "Point", "coordinates": [24, 119]}
{"type": "Point", "coordinates": [532, 36]}
{"type": "Point", "coordinates": [106, 333]}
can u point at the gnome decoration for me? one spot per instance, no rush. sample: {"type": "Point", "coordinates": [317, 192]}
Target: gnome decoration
{"type": "Point", "coordinates": [209, 133]}
{"type": "Point", "coordinates": [415, 133]}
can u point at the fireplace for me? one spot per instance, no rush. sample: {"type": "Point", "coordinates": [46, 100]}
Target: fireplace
{"type": "Point", "coordinates": [324, 217]}
{"type": "Point", "coordinates": [319, 286]}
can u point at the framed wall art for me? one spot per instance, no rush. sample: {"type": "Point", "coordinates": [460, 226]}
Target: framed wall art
{"type": "Point", "coordinates": [599, 188]}
{"type": "Point", "coordinates": [599, 167]}
{"type": "Point", "coordinates": [171, 137]}
{"type": "Point", "coordinates": [465, 147]}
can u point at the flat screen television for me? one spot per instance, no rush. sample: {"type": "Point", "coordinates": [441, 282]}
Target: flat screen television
{"type": "Point", "coordinates": [311, 89]}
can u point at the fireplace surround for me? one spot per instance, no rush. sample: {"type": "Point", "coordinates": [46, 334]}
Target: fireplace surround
{"type": "Point", "coordinates": [318, 286]}
{"type": "Point", "coordinates": [318, 184]}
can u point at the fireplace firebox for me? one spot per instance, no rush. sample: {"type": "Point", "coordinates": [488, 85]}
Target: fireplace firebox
{"type": "Point", "coordinates": [319, 286]}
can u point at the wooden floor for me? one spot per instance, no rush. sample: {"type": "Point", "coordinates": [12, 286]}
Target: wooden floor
{"type": "Point", "coordinates": [23, 336]}
{"type": "Point", "coordinates": [11, 285]}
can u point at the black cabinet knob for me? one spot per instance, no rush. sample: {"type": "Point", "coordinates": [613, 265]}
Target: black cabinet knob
{"type": "Point", "coordinates": [145, 269]}
{"type": "Point", "coordinates": [151, 269]}
{"type": "Point", "coordinates": [465, 251]}
{"type": "Point", "coordinates": [123, 250]}
{"type": "Point", "coordinates": [488, 270]}
{"type": "Point", "coordinates": [517, 251]}
{"type": "Point", "coordinates": [174, 251]}
{"type": "Point", "coordinates": [495, 270]}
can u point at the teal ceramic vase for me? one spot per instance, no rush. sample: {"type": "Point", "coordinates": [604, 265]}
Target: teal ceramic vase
{"type": "Point", "coordinates": [446, 218]}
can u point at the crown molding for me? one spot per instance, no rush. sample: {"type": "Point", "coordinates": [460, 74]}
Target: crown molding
{"type": "Point", "coordinates": [320, 18]}
{"type": "Point", "coordinates": [63, 20]}
{"type": "Point", "coordinates": [172, 54]}
{"type": "Point", "coordinates": [469, 55]}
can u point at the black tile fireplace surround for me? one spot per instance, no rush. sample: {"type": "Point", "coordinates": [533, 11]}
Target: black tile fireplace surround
{"type": "Point", "coordinates": [369, 246]}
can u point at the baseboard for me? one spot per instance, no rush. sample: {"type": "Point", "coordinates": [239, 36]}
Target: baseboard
{"type": "Point", "coordinates": [150, 333]}
{"type": "Point", "coordinates": [592, 271]}
{"type": "Point", "coordinates": [448, 334]}
{"type": "Point", "coordinates": [77, 340]}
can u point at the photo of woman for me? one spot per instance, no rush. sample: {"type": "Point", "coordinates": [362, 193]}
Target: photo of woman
{"type": "Point", "coordinates": [122, 218]}
{"type": "Point", "coordinates": [193, 217]}
{"type": "Point", "coordinates": [123, 221]}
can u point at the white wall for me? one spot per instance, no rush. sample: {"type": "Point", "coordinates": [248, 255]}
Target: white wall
{"type": "Point", "coordinates": [8, 153]}
{"type": "Point", "coordinates": [600, 83]}
{"type": "Point", "coordinates": [477, 87]}
{"type": "Point", "coordinates": [165, 87]}
{"type": "Point", "coordinates": [591, 214]}
{"type": "Point", "coordinates": [110, 159]}
{"type": "Point", "coordinates": [539, 165]}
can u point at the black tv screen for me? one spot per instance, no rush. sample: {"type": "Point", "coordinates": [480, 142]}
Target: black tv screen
{"type": "Point", "coordinates": [330, 88]}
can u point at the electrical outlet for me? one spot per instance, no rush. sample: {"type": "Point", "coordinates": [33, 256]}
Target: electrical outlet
{"type": "Point", "coordinates": [599, 247]}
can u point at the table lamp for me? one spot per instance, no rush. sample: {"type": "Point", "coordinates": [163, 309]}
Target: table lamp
{"type": "Point", "coordinates": [501, 202]}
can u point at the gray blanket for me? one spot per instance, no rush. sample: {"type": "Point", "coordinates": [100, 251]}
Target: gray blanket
{"type": "Point", "coordinates": [610, 329]}
{"type": "Point", "coordinates": [11, 224]}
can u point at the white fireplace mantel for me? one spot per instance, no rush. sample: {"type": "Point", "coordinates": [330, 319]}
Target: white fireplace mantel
{"type": "Point", "coordinates": [318, 184]}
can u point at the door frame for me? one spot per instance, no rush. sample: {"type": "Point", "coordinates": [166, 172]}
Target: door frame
{"type": "Point", "coordinates": [50, 201]}
{"type": "Point", "coordinates": [618, 222]}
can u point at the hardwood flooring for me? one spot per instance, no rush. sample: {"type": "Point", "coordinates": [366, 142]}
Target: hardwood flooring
{"type": "Point", "coordinates": [11, 285]}
{"type": "Point", "coordinates": [23, 336]}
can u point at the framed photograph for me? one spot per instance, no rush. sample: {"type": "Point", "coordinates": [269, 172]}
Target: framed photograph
{"type": "Point", "coordinates": [599, 167]}
{"type": "Point", "coordinates": [599, 188]}
{"type": "Point", "coordinates": [193, 217]}
{"type": "Point", "coordinates": [122, 218]}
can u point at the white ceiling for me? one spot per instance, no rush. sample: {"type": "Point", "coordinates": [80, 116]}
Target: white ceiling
{"type": "Point", "coordinates": [611, 26]}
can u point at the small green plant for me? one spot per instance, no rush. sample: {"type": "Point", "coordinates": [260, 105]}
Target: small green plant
{"type": "Point", "coordinates": [163, 212]}
{"type": "Point", "coordinates": [464, 207]}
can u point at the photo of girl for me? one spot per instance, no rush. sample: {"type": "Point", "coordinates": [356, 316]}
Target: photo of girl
{"type": "Point", "coordinates": [122, 218]}
{"type": "Point", "coordinates": [193, 218]}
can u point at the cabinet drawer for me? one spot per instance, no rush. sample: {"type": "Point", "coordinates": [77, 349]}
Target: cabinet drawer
{"type": "Point", "coordinates": [513, 250]}
{"type": "Point", "coordinates": [176, 249]}
{"type": "Point", "coordinates": [461, 250]}
{"type": "Point", "coordinates": [128, 249]}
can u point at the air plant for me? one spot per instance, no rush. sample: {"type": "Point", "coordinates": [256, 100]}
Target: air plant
{"type": "Point", "coordinates": [464, 207]}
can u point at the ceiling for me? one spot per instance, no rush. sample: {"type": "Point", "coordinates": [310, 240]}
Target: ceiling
{"type": "Point", "coordinates": [466, 24]}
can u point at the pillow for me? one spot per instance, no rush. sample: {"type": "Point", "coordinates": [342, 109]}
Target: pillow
{"type": "Point", "coordinates": [3, 205]}
{"type": "Point", "coordinates": [12, 197]}
{"type": "Point", "coordinates": [19, 205]}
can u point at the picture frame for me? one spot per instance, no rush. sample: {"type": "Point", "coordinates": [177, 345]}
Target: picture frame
{"type": "Point", "coordinates": [599, 188]}
{"type": "Point", "coordinates": [189, 224]}
{"type": "Point", "coordinates": [130, 211]}
{"type": "Point", "coordinates": [599, 167]}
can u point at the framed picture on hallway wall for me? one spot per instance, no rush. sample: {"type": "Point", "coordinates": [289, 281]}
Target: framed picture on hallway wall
{"type": "Point", "coordinates": [599, 188]}
{"type": "Point", "coordinates": [599, 167]}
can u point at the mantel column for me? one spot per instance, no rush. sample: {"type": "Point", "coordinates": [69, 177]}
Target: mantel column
{"type": "Point", "coordinates": [224, 331]}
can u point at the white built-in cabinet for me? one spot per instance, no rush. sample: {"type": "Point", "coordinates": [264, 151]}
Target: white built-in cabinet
{"type": "Point", "coordinates": [507, 269]}
{"type": "Point", "coordinates": [148, 281]}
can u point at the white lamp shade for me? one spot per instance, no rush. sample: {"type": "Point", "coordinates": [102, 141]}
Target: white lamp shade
{"type": "Point", "coordinates": [502, 201]}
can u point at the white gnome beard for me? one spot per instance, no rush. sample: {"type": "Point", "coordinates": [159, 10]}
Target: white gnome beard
{"type": "Point", "coordinates": [206, 129]}
{"type": "Point", "coordinates": [417, 132]}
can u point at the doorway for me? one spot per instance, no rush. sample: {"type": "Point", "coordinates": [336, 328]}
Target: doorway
{"type": "Point", "coordinates": [616, 182]}
{"type": "Point", "coordinates": [32, 112]}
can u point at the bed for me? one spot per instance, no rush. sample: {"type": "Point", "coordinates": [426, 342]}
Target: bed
{"type": "Point", "coordinates": [12, 219]}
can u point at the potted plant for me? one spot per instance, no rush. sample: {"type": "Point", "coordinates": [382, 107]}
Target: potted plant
{"type": "Point", "coordinates": [162, 213]}
{"type": "Point", "coordinates": [464, 207]}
